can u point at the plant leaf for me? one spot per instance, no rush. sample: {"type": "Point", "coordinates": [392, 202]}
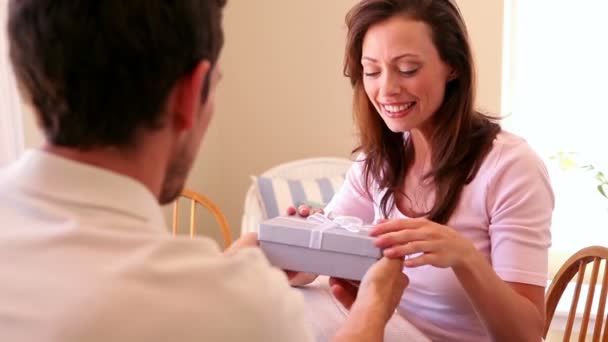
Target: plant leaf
{"type": "Point", "coordinates": [600, 188]}
{"type": "Point", "coordinates": [566, 163]}
{"type": "Point", "coordinates": [600, 177]}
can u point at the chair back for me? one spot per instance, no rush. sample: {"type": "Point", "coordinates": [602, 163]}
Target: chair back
{"type": "Point", "coordinates": [576, 265]}
{"type": "Point", "coordinates": [309, 168]}
{"type": "Point", "coordinates": [198, 199]}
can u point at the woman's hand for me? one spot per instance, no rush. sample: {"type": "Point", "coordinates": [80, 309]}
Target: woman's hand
{"type": "Point", "coordinates": [423, 242]}
{"type": "Point", "coordinates": [301, 278]}
{"type": "Point", "coordinates": [303, 210]}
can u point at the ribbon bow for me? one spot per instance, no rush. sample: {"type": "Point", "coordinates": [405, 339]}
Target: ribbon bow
{"type": "Point", "coordinates": [350, 223]}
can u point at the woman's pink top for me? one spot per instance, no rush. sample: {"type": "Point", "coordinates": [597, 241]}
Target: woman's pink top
{"type": "Point", "coordinates": [505, 212]}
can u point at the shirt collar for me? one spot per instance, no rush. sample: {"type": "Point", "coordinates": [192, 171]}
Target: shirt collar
{"type": "Point", "coordinates": [65, 179]}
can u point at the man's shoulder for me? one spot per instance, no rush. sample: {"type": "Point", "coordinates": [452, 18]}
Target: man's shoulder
{"type": "Point", "coordinates": [7, 178]}
{"type": "Point", "coordinates": [221, 292]}
{"type": "Point", "coordinates": [196, 267]}
{"type": "Point", "coordinates": [245, 274]}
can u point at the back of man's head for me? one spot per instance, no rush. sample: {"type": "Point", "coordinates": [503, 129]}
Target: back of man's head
{"type": "Point", "coordinates": [96, 71]}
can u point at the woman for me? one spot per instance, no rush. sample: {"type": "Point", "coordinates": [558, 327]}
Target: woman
{"type": "Point", "coordinates": [468, 204]}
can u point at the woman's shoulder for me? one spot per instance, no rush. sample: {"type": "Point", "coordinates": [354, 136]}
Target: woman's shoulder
{"type": "Point", "coordinates": [508, 148]}
{"type": "Point", "coordinates": [512, 156]}
{"type": "Point", "coordinates": [506, 139]}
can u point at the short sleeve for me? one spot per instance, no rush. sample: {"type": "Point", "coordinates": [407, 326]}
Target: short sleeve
{"type": "Point", "coordinates": [181, 289]}
{"type": "Point", "coordinates": [520, 205]}
{"type": "Point", "coordinates": [353, 199]}
{"type": "Point", "coordinates": [285, 310]}
{"type": "Point", "coordinates": [259, 300]}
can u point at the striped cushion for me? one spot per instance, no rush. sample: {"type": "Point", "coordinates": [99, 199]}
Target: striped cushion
{"type": "Point", "coordinates": [277, 194]}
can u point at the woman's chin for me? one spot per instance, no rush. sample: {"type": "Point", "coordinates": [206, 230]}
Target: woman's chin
{"type": "Point", "coordinates": [396, 127]}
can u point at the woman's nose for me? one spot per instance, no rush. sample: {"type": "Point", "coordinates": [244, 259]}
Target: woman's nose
{"type": "Point", "coordinates": [389, 85]}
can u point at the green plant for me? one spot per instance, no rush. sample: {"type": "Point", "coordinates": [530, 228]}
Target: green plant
{"type": "Point", "coordinates": [567, 161]}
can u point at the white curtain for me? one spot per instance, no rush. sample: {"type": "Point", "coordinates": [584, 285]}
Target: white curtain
{"type": "Point", "coordinates": [558, 103]}
{"type": "Point", "coordinates": [11, 126]}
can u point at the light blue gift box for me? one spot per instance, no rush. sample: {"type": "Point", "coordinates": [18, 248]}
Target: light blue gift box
{"type": "Point", "coordinates": [323, 247]}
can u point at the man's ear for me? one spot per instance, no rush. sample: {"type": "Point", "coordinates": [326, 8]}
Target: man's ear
{"type": "Point", "coordinates": [186, 96]}
{"type": "Point", "coordinates": [206, 88]}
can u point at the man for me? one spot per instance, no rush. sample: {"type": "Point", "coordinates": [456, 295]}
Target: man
{"type": "Point", "coordinates": [123, 91]}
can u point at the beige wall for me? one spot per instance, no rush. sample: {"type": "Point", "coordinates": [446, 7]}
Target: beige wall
{"type": "Point", "coordinates": [283, 95]}
{"type": "Point", "coordinates": [484, 20]}
{"type": "Point", "coordinates": [32, 136]}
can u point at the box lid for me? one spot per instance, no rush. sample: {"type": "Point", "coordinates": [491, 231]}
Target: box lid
{"type": "Point", "coordinates": [297, 231]}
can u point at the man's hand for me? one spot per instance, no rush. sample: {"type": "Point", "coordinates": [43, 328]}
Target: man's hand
{"type": "Point", "coordinates": [300, 278]}
{"type": "Point", "coordinates": [245, 241]}
{"type": "Point", "coordinates": [345, 291]}
{"type": "Point", "coordinates": [382, 287]}
{"type": "Point", "coordinates": [374, 303]}
{"type": "Point", "coordinates": [251, 240]}
{"type": "Point", "coordinates": [386, 274]}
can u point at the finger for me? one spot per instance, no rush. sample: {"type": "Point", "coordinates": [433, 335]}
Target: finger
{"type": "Point", "coordinates": [415, 247]}
{"type": "Point", "coordinates": [382, 220]}
{"type": "Point", "coordinates": [424, 259]}
{"type": "Point", "coordinates": [384, 266]}
{"type": "Point", "coordinates": [393, 265]}
{"type": "Point", "coordinates": [346, 285]}
{"type": "Point", "coordinates": [402, 237]}
{"type": "Point", "coordinates": [304, 210]}
{"type": "Point", "coordinates": [354, 283]}
{"type": "Point", "coordinates": [345, 298]}
{"type": "Point", "coordinates": [397, 225]}
{"type": "Point", "coordinates": [290, 274]}
{"type": "Point", "coordinates": [405, 280]}
{"type": "Point", "coordinates": [247, 240]}
{"type": "Point", "coordinates": [291, 211]}
{"type": "Point", "coordinates": [334, 281]}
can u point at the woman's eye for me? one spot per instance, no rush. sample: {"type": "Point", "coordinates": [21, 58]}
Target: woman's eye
{"type": "Point", "coordinates": [409, 72]}
{"type": "Point", "coordinates": [371, 73]}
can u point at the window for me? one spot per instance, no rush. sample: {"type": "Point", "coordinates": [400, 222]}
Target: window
{"type": "Point", "coordinates": [555, 91]}
{"type": "Point", "coordinates": [11, 128]}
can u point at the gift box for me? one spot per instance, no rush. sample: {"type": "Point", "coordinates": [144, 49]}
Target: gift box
{"type": "Point", "coordinates": [339, 248]}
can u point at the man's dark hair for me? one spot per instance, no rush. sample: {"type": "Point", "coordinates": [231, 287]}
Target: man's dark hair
{"type": "Point", "coordinates": [96, 71]}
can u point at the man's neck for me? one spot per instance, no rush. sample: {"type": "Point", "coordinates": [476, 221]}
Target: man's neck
{"type": "Point", "coordinates": [147, 169]}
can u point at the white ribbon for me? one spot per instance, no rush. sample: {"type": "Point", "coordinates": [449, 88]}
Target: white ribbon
{"type": "Point", "coordinates": [350, 223]}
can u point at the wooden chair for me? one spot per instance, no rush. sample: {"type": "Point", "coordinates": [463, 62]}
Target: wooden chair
{"type": "Point", "coordinates": [576, 265]}
{"type": "Point", "coordinates": [196, 198]}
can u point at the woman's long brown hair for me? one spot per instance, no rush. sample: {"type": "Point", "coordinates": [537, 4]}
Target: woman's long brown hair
{"type": "Point", "coordinates": [460, 137]}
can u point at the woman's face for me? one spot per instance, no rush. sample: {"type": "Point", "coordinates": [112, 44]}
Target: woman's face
{"type": "Point", "coordinates": [403, 75]}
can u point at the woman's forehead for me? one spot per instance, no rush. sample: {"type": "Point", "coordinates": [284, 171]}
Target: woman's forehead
{"type": "Point", "coordinates": [396, 37]}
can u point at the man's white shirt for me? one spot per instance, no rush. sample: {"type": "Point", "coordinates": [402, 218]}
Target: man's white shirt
{"type": "Point", "coordinates": [86, 256]}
